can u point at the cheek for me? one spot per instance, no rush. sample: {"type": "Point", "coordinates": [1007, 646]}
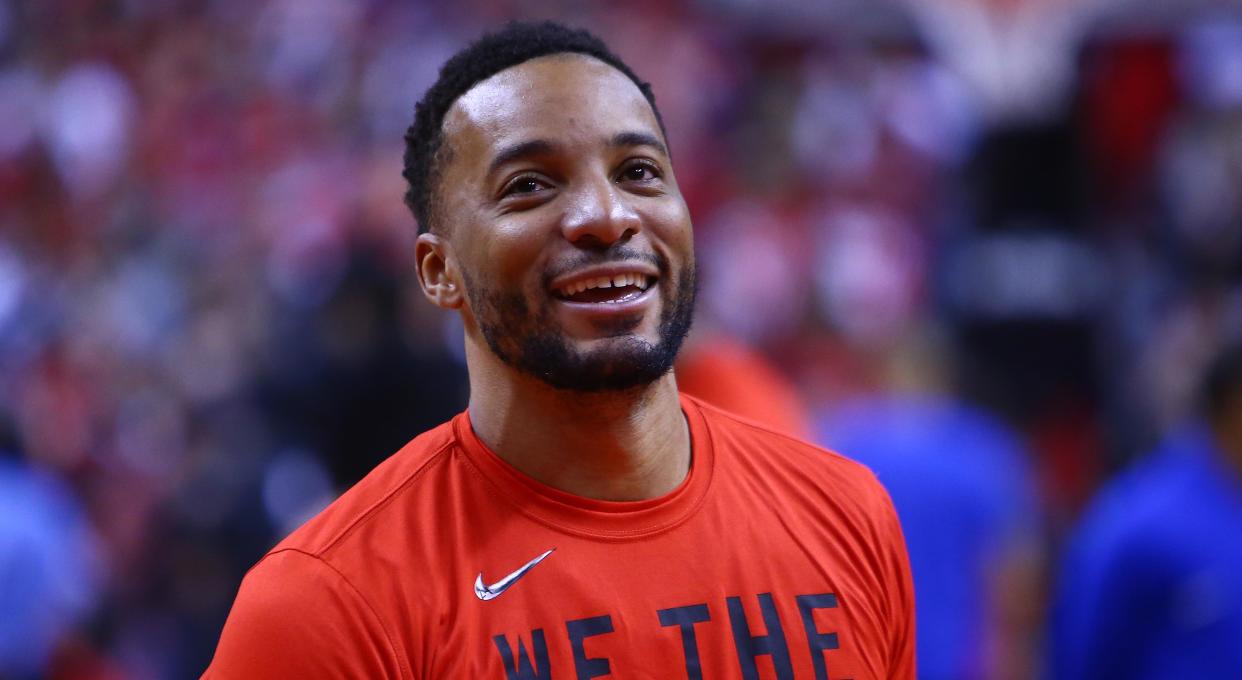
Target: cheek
{"type": "Point", "coordinates": [496, 251]}
{"type": "Point", "coordinates": [670, 224]}
{"type": "Point", "coordinates": [513, 253]}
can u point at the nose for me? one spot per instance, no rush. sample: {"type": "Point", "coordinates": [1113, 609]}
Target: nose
{"type": "Point", "coordinates": [599, 215]}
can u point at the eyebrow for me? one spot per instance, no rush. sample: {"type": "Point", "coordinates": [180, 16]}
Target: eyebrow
{"type": "Point", "coordinates": [543, 147]}
{"type": "Point", "coordinates": [639, 139]}
{"type": "Point", "coordinates": [534, 147]}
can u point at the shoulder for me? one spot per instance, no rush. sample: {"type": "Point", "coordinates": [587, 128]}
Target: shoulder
{"type": "Point", "coordinates": [377, 494]}
{"type": "Point", "coordinates": [1149, 525]}
{"type": "Point", "coordinates": [821, 493]}
{"type": "Point", "coordinates": [309, 607]}
{"type": "Point", "coordinates": [752, 444]}
{"type": "Point", "coordinates": [797, 478]}
{"type": "Point", "coordinates": [296, 616]}
{"type": "Point", "coordinates": [1160, 489]}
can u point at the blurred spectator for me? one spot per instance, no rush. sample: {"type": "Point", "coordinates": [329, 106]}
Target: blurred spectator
{"type": "Point", "coordinates": [49, 568]}
{"type": "Point", "coordinates": [1151, 585]}
{"type": "Point", "coordinates": [964, 489]}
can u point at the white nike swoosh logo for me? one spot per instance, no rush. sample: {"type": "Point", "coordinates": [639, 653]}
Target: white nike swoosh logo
{"type": "Point", "coordinates": [486, 592]}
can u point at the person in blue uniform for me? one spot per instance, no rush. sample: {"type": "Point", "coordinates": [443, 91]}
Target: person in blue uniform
{"type": "Point", "coordinates": [1151, 583]}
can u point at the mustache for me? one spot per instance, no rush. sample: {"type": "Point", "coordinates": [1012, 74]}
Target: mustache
{"type": "Point", "coordinates": [610, 256]}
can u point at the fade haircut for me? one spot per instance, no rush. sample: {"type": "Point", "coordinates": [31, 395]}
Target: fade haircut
{"type": "Point", "coordinates": [516, 43]}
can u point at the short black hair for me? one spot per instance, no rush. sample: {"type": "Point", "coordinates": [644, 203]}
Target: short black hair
{"type": "Point", "coordinates": [516, 43]}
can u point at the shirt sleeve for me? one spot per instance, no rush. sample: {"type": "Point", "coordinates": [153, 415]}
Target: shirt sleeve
{"type": "Point", "coordinates": [296, 616]}
{"type": "Point", "coordinates": [900, 587]}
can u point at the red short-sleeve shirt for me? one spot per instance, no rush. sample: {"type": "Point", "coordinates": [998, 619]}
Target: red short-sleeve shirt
{"type": "Point", "coordinates": [773, 559]}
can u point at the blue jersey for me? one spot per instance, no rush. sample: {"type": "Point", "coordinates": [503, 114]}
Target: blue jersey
{"type": "Point", "coordinates": [1151, 585]}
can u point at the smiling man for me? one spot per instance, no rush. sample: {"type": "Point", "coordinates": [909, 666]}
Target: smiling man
{"type": "Point", "coordinates": [581, 519]}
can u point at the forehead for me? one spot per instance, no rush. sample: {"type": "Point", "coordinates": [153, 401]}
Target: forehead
{"type": "Point", "coordinates": [564, 98]}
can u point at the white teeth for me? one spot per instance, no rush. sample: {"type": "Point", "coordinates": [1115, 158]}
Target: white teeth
{"type": "Point", "coordinates": [618, 281]}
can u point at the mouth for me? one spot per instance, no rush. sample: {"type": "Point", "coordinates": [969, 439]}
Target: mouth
{"type": "Point", "coordinates": [605, 289]}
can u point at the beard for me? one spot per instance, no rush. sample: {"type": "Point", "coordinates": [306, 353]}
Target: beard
{"type": "Point", "coordinates": [532, 341]}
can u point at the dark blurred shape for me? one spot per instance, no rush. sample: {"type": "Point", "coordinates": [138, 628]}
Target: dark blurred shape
{"type": "Point", "coordinates": [1024, 174]}
{"type": "Point", "coordinates": [1151, 584]}
{"type": "Point", "coordinates": [1024, 287]}
{"type": "Point", "coordinates": [349, 384]}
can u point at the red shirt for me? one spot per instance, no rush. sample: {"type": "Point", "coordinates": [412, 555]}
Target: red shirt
{"type": "Point", "coordinates": [773, 559]}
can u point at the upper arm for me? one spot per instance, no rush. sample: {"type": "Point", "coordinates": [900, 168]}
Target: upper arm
{"type": "Point", "coordinates": [899, 585]}
{"type": "Point", "coordinates": [297, 617]}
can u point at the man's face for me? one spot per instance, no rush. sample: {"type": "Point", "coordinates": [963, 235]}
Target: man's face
{"type": "Point", "coordinates": [573, 241]}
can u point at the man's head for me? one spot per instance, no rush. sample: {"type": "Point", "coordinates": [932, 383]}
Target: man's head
{"type": "Point", "coordinates": [515, 44]}
{"type": "Point", "coordinates": [548, 174]}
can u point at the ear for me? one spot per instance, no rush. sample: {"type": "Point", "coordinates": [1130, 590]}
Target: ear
{"type": "Point", "coordinates": [437, 271]}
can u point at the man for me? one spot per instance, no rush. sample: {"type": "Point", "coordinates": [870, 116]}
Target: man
{"type": "Point", "coordinates": [1151, 585]}
{"type": "Point", "coordinates": [581, 518]}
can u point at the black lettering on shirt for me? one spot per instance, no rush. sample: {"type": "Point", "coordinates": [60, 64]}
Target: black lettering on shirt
{"type": "Point", "coordinates": [750, 648]}
{"type": "Point", "coordinates": [579, 630]}
{"type": "Point", "coordinates": [818, 642]}
{"type": "Point", "coordinates": [522, 669]}
{"type": "Point", "coordinates": [685, 618]}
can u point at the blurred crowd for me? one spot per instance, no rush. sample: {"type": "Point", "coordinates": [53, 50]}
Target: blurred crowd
{"type": "Point", "coordinates": [986, 246]}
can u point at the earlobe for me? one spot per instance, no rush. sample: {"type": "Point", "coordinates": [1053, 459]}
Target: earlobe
{"type": "Point", "coordinates": [437, 272]}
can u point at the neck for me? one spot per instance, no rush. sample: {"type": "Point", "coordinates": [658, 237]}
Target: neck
{"type": "Point", "coordinates": [615, 446]}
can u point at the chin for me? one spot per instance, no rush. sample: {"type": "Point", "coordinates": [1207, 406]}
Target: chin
{"type": "Point", "coordinates": [585, 348]}
{"type": "Point", "coordinates": [608, 364]}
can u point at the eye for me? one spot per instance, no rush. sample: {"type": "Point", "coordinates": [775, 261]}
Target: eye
{"type": "Point", "coordinates": [640, 171]}
{"type": "Point", "coordinates": [524, 185]}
